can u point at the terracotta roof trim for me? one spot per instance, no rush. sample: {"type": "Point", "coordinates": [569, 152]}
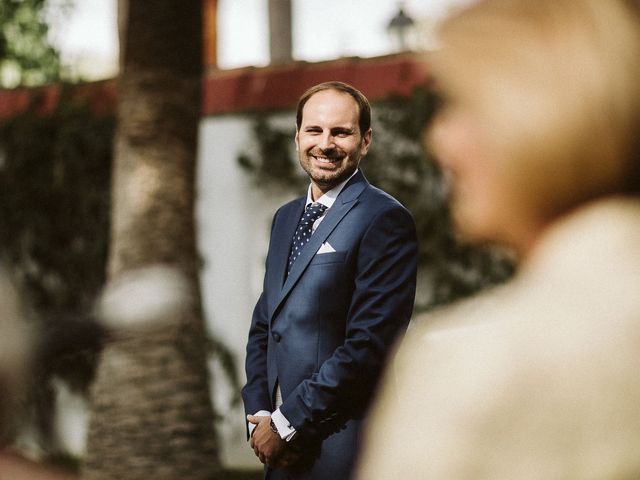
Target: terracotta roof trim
{"type": "Point", "coordinates": [251, 88]}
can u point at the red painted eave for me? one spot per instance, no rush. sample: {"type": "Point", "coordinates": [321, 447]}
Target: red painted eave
{"type": "Point", "coordinates": [100, 96]}
{"type": "Point", "coordinates": [247, 89]}
{"type": "Point", "coordinates": [279, 87]}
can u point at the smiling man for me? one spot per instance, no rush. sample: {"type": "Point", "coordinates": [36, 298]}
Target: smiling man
{"type": "Point", "coordinates": [338, 289]}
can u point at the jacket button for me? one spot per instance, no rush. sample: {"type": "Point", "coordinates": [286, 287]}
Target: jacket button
{"type": "Point", "coordinates": [276, 337]}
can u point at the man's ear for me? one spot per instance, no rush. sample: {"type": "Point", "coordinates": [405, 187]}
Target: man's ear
{"type": "Point", "coordinates": [366, 142]}
{"type": "Point", "coordinates": [297, 141]}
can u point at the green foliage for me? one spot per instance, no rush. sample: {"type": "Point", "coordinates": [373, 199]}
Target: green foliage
{"type": "Point", "coordinates": [272, 155]}
{"type": "Point", "coordinates": [54, 204]}
{"type": "Point", "coordinates": [397, 163]}
{"type": "Point", "coordinates": [26, 56]}
{"type": "Point", "coordinates": [54, 224]}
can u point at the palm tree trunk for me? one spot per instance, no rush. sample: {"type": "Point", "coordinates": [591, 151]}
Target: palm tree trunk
{"type": "Point", "coordinates": [150, 411]}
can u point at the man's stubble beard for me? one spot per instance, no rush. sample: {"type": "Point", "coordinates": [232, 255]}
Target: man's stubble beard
{"type": "Point", "coordinates": [336, 178]}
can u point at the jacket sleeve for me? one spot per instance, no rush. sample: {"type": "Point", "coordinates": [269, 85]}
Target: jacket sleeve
{"type": "Point", "coordinates": [380, 309]}
{"type": "Point", "coordinates": [255, 393]}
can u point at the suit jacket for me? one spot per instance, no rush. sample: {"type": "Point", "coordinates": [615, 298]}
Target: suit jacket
{"type": "Point", "coordinates": [537, 379]}
{"type": "Point", "coordinates": [323, 332]}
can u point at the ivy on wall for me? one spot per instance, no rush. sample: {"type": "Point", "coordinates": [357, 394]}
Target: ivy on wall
{"type": "Point", "coordinates": [54, 203]}
{"type": "Point", "coordinates": [54, 223]}
{"type": "Point", "coordinates": [270, 158]}
{"type": "Point", "coordinates": [397, 163]}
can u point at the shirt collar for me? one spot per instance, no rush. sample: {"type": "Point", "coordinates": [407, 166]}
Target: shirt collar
{"type": "Point", "coordinates": [329, 198]}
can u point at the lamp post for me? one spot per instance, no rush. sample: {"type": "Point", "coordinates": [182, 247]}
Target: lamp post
{"type": "Point", "coordinates": [400, 28]}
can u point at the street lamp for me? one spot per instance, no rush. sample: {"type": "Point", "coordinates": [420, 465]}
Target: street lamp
{"type": "Point", "coordinates": [400, 28]}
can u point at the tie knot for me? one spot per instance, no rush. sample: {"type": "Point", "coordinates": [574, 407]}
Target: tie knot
{"type": "Point", "coordinates": [312, 213]}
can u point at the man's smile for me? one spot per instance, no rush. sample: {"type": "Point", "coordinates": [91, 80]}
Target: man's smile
{"type": "Point", "coordinates": [323, 159]}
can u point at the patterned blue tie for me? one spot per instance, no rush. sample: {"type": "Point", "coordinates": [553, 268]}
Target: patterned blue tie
{"type": "Point", "coordinates": [303, 232]}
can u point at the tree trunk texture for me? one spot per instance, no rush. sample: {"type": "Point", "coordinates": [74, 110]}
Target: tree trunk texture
{"type": "Point", "coordinates": [150, 413]}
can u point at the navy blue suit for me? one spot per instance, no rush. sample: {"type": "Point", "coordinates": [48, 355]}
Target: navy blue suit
{"type": "Point", "coordinates": [323, 332]}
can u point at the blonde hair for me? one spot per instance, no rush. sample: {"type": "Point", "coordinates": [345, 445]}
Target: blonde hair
{"type": "Point", "coordinates": [556, 87]}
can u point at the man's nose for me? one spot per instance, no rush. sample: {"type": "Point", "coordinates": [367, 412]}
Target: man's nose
{"type": "Point", "coordinates": [326, 141]}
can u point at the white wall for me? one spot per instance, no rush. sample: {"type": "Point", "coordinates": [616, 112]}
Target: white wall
{"type": "Point", "coordinates": [234, 218]}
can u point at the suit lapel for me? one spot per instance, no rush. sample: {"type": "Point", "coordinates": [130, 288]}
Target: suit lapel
{"type": "Point", "coordinates": [283, 241]}
{"type": "Point", "coordinates": [346, 200]}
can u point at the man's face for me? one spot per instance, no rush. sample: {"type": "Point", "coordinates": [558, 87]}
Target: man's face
{"type": "Point", "coordinates": [329, 142]}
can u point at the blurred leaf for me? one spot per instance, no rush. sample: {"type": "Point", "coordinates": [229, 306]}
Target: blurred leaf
{"type": "Point", "coordinates": [27, 58]}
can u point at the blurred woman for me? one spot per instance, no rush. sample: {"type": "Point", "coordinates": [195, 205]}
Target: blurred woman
{"type": "Point", "coordinates": [540, 135]}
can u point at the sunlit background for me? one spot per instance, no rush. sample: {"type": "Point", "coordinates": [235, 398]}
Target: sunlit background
{"type": "Point", "coordinates": [87, 33]}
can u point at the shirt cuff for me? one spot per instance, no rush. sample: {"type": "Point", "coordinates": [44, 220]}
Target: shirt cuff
{"type": "Point", "coordinates": [285, 430]}
{"type": "Point", "coordinates": [252, 426]}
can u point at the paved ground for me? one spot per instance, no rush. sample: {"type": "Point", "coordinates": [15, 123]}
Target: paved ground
{"type": "Point", "coordinates": [16, 467]}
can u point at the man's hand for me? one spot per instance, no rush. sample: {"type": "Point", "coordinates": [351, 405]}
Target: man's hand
{"type": "Point", "coordinates": [267, 444]}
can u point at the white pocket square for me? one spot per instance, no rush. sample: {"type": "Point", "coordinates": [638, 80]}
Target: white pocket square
{"type": "Point", "coordinates": [325, 248]}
